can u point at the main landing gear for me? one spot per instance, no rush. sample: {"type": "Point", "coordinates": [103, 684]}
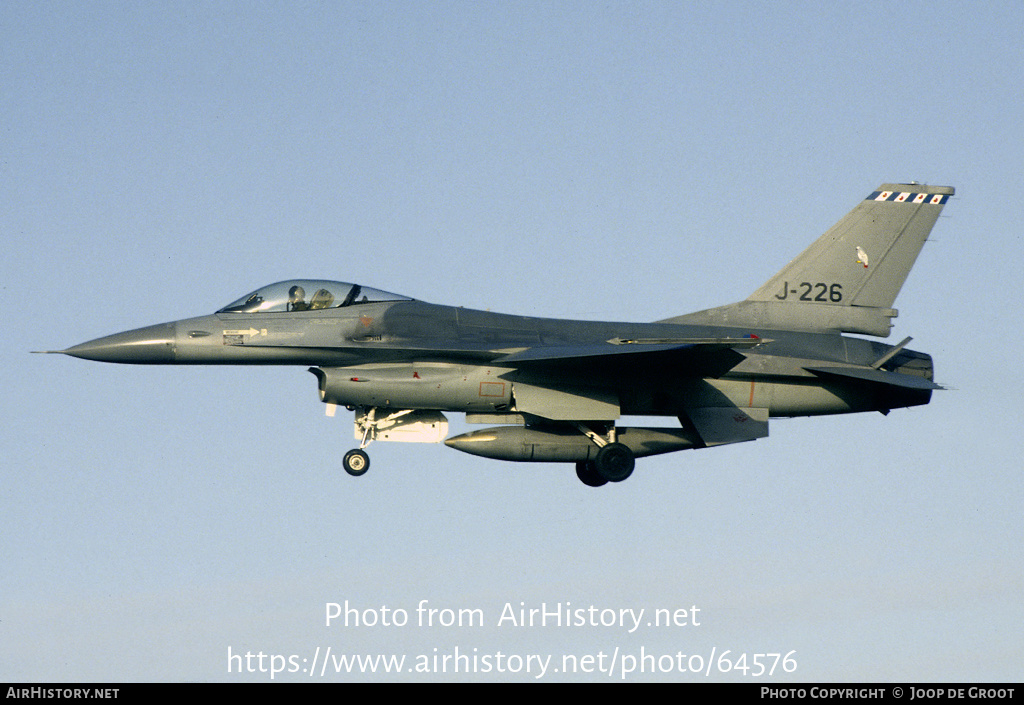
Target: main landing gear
{"type": "Point", "coordinates": [614, 461]}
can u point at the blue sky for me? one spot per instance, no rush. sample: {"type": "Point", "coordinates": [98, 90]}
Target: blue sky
{"type": "Point", "coordinates": [623, 161]}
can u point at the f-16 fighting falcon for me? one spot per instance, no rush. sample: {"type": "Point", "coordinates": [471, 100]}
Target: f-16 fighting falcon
{"type": "Point", "coordinates": [553, 390]}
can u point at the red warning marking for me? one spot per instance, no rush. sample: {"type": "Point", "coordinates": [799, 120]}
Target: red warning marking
{"type": "Point", "coordinates": [492, 389]}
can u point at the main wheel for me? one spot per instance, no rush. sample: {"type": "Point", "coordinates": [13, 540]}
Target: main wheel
{"type": "Point", "coordinates": [356, 462]}
{"type": "Point", "coordinates": [614, 462]}
{"type": "Point", "coordinates": [588, 474]}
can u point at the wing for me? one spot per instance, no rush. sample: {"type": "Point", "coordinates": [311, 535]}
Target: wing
{"type": "Point", "coordinates": [708, 357]}
{"type": "Point", "coordinates": [577, 382]}
{"type": "Point", "coordinates": [705, 357]}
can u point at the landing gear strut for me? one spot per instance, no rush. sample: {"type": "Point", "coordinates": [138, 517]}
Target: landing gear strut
{"type": "Point", "coordinates": [356, 462]}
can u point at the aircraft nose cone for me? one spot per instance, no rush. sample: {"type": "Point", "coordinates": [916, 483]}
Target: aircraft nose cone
{"type": "Point", "coordinates": [149, 345]}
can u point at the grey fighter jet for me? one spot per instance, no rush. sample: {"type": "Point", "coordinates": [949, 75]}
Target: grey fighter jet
{"type": "Point", "coordinates": [554, 390]}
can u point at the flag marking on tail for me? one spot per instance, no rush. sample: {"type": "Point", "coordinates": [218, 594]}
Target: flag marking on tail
{"type": "Point", "coordinates": [937, 199]}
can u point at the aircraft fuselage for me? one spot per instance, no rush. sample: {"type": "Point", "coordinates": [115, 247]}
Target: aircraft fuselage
{"type": "Point", "coordinates": [556, 388]}
{"type": "Point", "coordinates": [396, 351]}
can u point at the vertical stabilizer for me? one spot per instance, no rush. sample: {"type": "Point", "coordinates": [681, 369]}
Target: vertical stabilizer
{"type": "Point", "coordinates": [848, 279]}
{"type": "Point", "coordinates": [863, 259]}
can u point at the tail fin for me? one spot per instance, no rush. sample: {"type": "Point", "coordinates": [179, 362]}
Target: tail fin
{"type": "Point", "coordinates": [848, 279]}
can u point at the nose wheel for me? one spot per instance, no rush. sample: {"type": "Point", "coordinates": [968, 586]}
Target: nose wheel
{"type": "Point", "coordinates": [356, 462]}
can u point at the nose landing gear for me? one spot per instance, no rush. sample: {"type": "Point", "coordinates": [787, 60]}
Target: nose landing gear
{"type": "Point", "coordinates": [387, 424]}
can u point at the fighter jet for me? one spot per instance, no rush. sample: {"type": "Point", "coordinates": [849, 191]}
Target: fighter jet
{"type": "Point", "coordinates": [555, 390]}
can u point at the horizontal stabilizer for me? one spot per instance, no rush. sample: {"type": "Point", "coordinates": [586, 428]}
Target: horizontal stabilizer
{"type": "Point", "coordinates": [867, 374]}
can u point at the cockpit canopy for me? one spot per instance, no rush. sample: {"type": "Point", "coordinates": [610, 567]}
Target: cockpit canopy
{"type": "Point", "coordinates": [308, 295]}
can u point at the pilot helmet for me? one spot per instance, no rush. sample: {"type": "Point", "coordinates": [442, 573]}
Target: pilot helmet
{"type": "Point", "coordinates": [296, 293]}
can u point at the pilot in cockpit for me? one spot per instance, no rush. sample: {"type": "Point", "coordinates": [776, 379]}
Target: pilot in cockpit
{"type": "Point", "coordinates": [297, 299]}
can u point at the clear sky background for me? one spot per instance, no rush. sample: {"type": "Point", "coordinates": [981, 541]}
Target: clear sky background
{"type": "Point", "coordinates": [615, 160]}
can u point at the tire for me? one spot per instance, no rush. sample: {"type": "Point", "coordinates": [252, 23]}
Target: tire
{"type": "Point", "coordinates": [588, 474]}
{"type": "Point", "coordinates": [356, 462]}
{"type": "Point", "coordinates": [614, 462]}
